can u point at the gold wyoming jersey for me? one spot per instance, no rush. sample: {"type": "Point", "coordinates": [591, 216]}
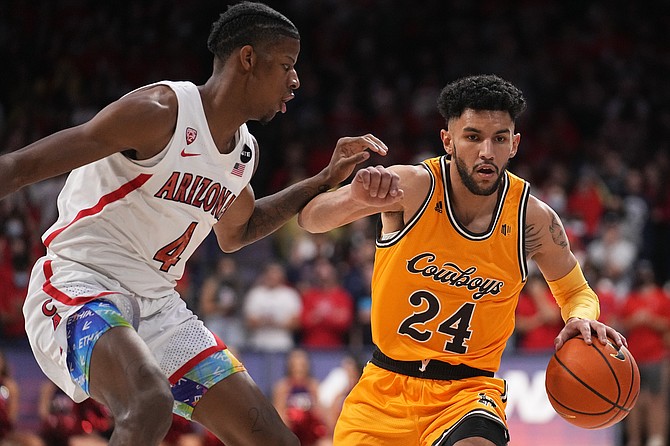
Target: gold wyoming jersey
{"type": "Point", "coordinates": [442, 292]}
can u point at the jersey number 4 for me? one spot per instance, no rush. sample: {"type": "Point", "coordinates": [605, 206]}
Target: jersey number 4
{"type": "Point", "coordinates": [456, 326]}
{"type": "Point", "coordinates": [171, 253]}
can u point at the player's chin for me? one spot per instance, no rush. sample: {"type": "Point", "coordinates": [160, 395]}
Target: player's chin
{"type": "Point", "coordinates": [267, 118]}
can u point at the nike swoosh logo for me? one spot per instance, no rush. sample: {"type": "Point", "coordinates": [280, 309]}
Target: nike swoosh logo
{"type": "Point", "coordinates": [184, 153]}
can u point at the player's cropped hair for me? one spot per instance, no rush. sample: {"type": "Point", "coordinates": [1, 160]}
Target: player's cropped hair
{"type": "Point", "coordinates": [481, 92]}
{"type": "Point", "coordinates": [248, 23]}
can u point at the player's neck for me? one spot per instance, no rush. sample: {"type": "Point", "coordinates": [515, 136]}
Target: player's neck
{"type": "Point", "coordinates": [222, 120]}
{"type": "Point", "coordinates": [472, 211]}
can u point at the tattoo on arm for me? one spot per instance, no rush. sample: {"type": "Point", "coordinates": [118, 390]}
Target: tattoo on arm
{"type": "Point", "coordinates": [557, 233]}
{"type": "Point", "coordinates": [271, 212]}
{"type": "Point", "coordinates": [533, 240]}
{"type": "Point", "coordinates": [533, 234]}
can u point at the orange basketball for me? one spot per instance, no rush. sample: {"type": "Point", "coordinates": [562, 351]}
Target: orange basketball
{"type": "Point", "coordinates": [592, 386]}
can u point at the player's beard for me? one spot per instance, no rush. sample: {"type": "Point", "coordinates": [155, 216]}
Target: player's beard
{"type": "Point", "coordinates": [470, 183]}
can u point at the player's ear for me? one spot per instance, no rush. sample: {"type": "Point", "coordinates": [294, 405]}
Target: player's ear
{"type": "Point", "coordinates": [515, 144]}
{"type": "Point", "coordinates": [247, 57]}
{"type": "Point", "coordinates": [445, 136]}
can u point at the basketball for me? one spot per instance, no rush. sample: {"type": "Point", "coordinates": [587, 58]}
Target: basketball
{"type": "Point", "coordinates": [592, 386]}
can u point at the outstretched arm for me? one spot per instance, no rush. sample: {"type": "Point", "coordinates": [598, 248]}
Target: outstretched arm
{"type": "Point", "coordinates": [373, 190]}
{"type": "Point", "coordinates": [141, 122]}
{"type": "Point", "coordinates": [248, 219]}
{"type": "Point", "coordinates": [547, 244]}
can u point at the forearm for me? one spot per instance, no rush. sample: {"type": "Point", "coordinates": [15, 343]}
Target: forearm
{"type": "Point", "coordinates": [272, 212]}
{"type": "Point", "coordinates": [323, 213]}
{"type": "Point", "coordinates": [13, 178]}
{"type": "Point", "coordinates": [574, 296]}
{"type": "Point", "coordinates": [333, 210]}
{"type": "Point", "coordinates": [373, 190]}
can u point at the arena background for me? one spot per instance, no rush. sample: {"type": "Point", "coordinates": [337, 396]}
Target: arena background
{"type": "Point", "coordinates": [595, 74]}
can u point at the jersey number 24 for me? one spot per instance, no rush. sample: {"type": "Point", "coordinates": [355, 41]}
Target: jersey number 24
{"type": "Point", "coordinates": [456, 326]}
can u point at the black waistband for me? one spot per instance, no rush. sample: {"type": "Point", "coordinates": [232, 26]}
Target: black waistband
{"type": "Point", "coordinates": [433, 369]}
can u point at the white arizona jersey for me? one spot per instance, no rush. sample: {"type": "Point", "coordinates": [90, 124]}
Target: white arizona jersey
{"type": "Point", "coordinates": [139, 221]}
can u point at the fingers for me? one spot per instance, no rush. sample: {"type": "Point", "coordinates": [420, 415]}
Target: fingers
{"type": "Point", "coordinates": [394, 188]}
{"type": "Point", "coordinates": [587, 329]}
{"type": "Point", "coordinates": [618, 338]}
{"type": "Point", "coordinates": [379, 182]}
{"type": "Point", "coordinates": [360, 157]}
{"type": "Point", "coordinates": [601, 333]}
{"type": "Point", "coordinates": [558, 342]}
{"type": "Point", "coordinates": [360, 143]}
{"type": "Point", "coordinates": [375, 144]}
{"type": "Point", "coordinates": [606, 333]}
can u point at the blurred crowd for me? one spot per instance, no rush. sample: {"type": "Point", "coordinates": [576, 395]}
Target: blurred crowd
{"type": "Point", "coordinates": [595, 146]}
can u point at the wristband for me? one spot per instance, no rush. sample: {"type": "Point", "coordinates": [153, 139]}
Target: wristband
{"type": "Point", "coordinates": [574, 295]}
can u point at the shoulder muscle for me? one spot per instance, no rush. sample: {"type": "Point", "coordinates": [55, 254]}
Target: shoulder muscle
{"type": "Point", "coordinates": [142, 121]}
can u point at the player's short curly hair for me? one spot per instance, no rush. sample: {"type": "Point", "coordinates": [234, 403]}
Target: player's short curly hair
{"type": "Point", "coordinates": [480, 92]}
{"type": "Point", "coordinates": [248, 23]}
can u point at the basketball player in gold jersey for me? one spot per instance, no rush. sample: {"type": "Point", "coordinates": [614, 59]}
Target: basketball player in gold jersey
{"type": "Point", "coordinates": [456, 233]}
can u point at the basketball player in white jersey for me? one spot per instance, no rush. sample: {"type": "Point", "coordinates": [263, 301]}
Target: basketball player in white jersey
{"type": "Point", "coordinates": [152, 174]}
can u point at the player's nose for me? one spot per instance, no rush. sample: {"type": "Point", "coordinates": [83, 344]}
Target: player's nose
{"type": "Point", "coordinates": [486, 149]}
{"type": "Point", "coordinates": [294, 82]}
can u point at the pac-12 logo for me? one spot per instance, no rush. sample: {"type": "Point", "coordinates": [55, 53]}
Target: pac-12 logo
{"type": "Point", "coordinates": [191, 134]}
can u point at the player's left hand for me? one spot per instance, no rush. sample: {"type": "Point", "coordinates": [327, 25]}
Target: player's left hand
{"type": "Point", "coordinates": [586, 328]}
{"type": "Point", "coordinates": [350, 151]}
{"type": "Point", "coordinates": [376, 186]}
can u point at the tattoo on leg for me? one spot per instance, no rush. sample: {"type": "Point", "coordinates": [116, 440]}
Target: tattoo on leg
{"type": "Point", "coordinates": [262, 419]}
{"type": "Point", "coordinates": [255, 416]}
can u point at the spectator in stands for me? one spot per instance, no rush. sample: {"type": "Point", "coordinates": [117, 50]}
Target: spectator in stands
{"type": "Point", "coordinates": [328, 309]}
{"type": "Point", "coordinates": [657, 193]}
{"type": "Point", "coordinates": [9, 399]}
{"type": "Point", "coordinates": [10, 434]}
{"type": "Point", "coordinates": [296, 398]}
{"type": "Point", "coordinates": [634, 209]}
{"type": "Point", "coordinates": [305, 248]}
{"type": "Point", "coordinates": [538, 318]}
{"type": "Point", "coordinates": [355, 271]}
{"type": "Point", "coordinates": [220, 302]}
{"type": "Point", "coordinates": [645, 321]}
{"type": "Point", "coordinates": [14, 276]}
{"type": "Point", "coordinates": [272, 311]}
{"type": "Point", "coordinates": [361, 333]}
{"type": "Point", "coordinates": [610, 303]}
{"type": "Point", "coordinates": [613, 255]}
{"type": "Point", "coordinates": [588, 201]}
{"type": "Point", "coordinates": [24, 439]}
{"type": "Point", "coordinates": [335, 387]}
{"type": "Point", "coordinates": [66, 423]}
{"type": "Point", "coordinates": [182, 433]}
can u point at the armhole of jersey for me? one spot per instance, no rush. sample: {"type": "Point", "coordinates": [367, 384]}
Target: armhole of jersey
{"type": "Point", "coordinates": [523, 204]}
{"type": "Point", "coordinates": [157, 158]}
{"type": "Point", "coordinates": [386, 240]}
